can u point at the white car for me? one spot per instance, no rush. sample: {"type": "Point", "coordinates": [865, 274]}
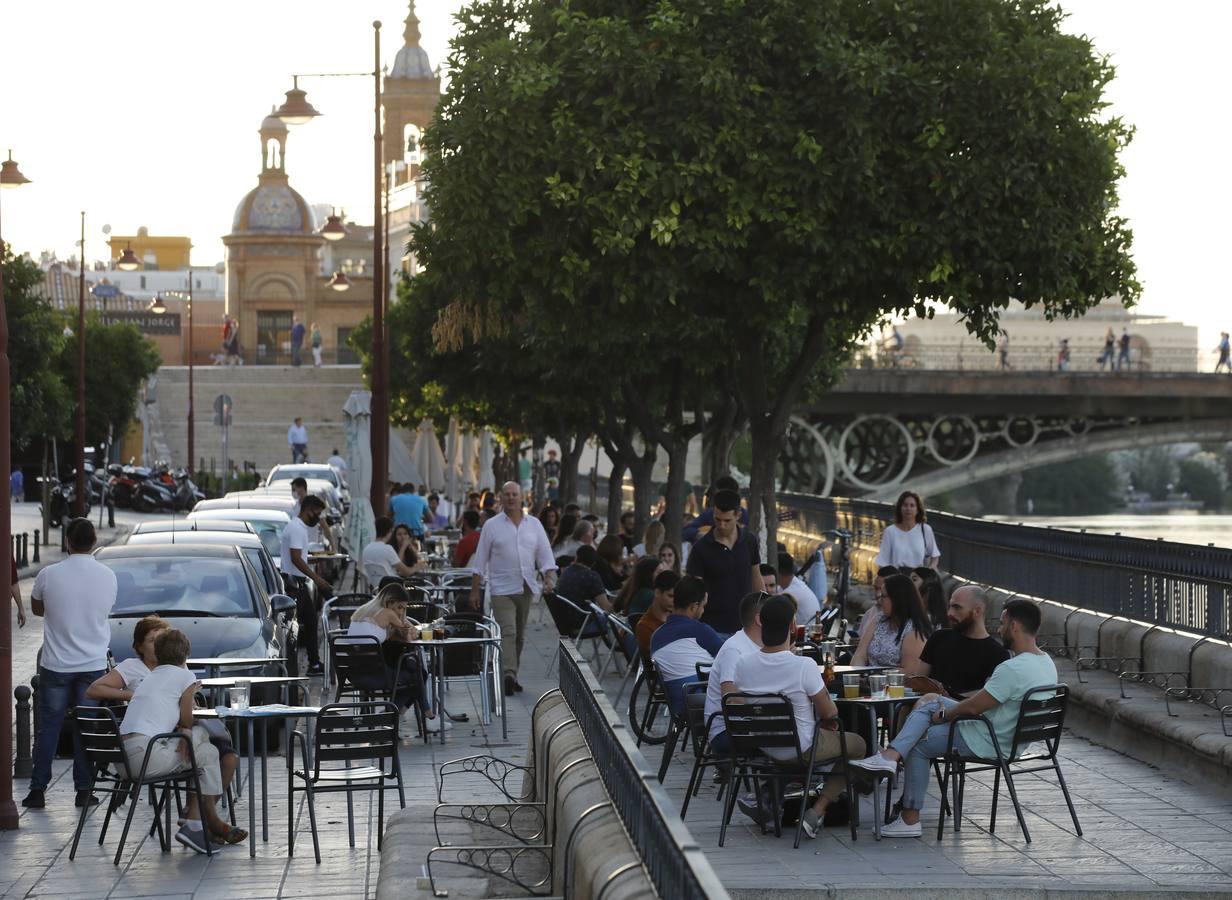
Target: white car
{"type": "Point", "coordinates": [319, 471]}
{"type": "Point", "coordinates": [249, 501]}
{"type": "Point", "coordinates": [261, 520]}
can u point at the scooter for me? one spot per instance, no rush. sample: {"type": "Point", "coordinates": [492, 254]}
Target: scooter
{"type": "Point", "coordinates": [60, 501]}
{"type": "Point", "coordinates": [134, 487]}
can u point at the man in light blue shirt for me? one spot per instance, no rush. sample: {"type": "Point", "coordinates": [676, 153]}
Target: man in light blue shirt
{"type": "Point", "coordinates": [925, 734]}
{"type": "Point", "coordinates": [408, 509]}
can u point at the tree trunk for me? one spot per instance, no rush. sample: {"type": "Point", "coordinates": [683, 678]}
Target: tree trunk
{"type": "Point", "coordinates": [762, 501]}
{"type": "Point", "coordinates": [673, 514]}
{"type": "Point", "coordinates": [723, 427]}
{"type": "Point", "coordinates": [571, 457]}
{"type": "Point", "coordinates": [538, 483]}
{"type": "Point", "coordinates": [641, 467]}
{"type": "Point", "coordinates": [615, 493]}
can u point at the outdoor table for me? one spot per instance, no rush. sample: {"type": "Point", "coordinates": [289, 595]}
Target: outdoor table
{"type": "Point", "coordinates": [212, 664]}
{"type": "Point", "coordinates": [437, 649]}
{"type": "Point", "coordinates": [869, 704]}
{"type": "Point", "coordinates": [863, 670]}
{"type": "Point", "coordinates": [250, 716]}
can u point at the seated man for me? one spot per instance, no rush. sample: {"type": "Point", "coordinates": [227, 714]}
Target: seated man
{"type": "Point", "coordinates": [807, 604]}
{"type": "Point", "coordinates": [660, 608]}
{"type": "Point", "coordinates": [723, 672]}
{"type": "Point", "coordinates": [926, 732]}
{"type": "Point", "coordinates": [769, 578]}
{"type": "Point", "coordinates": [963, 656]}
{"type": "Point", "coordinates": [683, 641]}
{"type": "Point", "coordinates": [380, 559]}
{"type": "Point", "coordinates": [581, 583]}
{"type": "Point", "coordinates": [776, 670]}
{"type": "Point", "coordinates": [466, 547]}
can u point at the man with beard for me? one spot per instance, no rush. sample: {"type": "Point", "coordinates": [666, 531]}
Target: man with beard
{"type": "Point", "coordinates": [963, 656]}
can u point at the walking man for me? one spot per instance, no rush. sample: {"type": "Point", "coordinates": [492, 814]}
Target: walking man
{"type": "Point", "coordinates": [74, 598]}
{"type": "Point", "coordinates": [512, 546]}
{"type": "Point", "coordinates": [729, 561]}
{"type": "Point", "coordinates": [296, 573]}
{"type": "Point", "coordinates": [338, 462]}
{"type": "Point", "coordinates": [297, 341]}
{"type": "Point", "coordinates": [1003, 352]}
{"type": "Point", "coordinates": [17, 485]}
{"type": "Point", "coordinates": [1123, 354]}
{"type": "Point", "coordinates": [297, 440]}
{"type": "Point", "coordinates": [1224, 348]}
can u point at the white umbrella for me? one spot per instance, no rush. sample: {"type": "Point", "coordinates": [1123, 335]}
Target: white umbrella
{"type": "Point", "coordinates": [402, 467]}
{"type": "Point", "coordinates": [469, 479]}
{"type": "Point", "coordinates": [453, 449]}
{"type": "Point", "coordinates": [358, 415]}
{"type": "Point", "coordinates": [485, 461]}
{"type": "Point", "coordinates": [428, 456]}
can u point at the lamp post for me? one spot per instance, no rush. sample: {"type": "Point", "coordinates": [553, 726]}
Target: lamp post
{"type": "Point", "coordinates": [296, 111]}
{"type": "Point", "coordinates": [159, 307]}
{"type": "Point", "coordinates": [10, 177]}
{"type": "Point", "coordinates": [79, 500]}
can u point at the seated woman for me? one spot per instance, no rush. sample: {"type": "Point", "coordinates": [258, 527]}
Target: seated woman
{"type": "Point", "coordinates": [638, 591]}
{"type": "Point", "coordinates": [898, 635]}
{"type": "Point", "coordinates": [384, 618]}
{"type": "Point", "coordinates": [928, 583]}
{"type": "Point", "coordinates": [162, 703]}
{"type": "Point", "coordinates": [610, 568]}
{"type": "Point", "coordinates": [404, 542]}
{"type": "Point", "coordinates": [119, 685]}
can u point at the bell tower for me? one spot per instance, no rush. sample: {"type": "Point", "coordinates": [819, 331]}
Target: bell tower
{"type": "Point", "coordinates": [410, 96]}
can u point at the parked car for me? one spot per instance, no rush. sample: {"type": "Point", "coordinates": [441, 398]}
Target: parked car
{"type": "Point", "coordinates": [244, 500]}
{"type": "Point", "coordinates": [255, 551]}
{"type": "Point", "coordinates": [268, 532]}
{"type": "Point", "coordinates": [320, 471]}
{"type": "Point", "coordinates": [268, 523]}
{"type": "Point", "coordinates": [211, 592]}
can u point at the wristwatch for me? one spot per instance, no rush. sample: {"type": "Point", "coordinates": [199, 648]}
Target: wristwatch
{"type": "Point", "coordinates": [941, 714]}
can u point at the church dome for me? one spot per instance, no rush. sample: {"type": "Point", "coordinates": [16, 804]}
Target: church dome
{"type": "Point", "coordinates": [273, 208]}
{"type": "Point", "coordinates": [411, 62]}
{"type": "Point", "coordinates": [274, 124]}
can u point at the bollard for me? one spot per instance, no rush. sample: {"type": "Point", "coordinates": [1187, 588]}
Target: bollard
{"type": "Point", "coordinates": [34, 705]}
{"type": "Point", "coordinates": [25, 550]}
{"type": "Point", "coordinates": [110, 513]}
{"type": "Point", "coordinates": [22, 762]}
{"type": "Point", "coordinates": [36, 546]}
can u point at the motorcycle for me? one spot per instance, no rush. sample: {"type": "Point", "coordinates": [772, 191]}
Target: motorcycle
{"type": "Point", "coordinates": [138, 488]}
{"type": "Point", "coordinates": [184, 492]}
{"type": "Point", "coordinates": [61, 499]}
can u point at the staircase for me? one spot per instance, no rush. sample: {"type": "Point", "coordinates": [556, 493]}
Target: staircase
{"type": "Point", "coordinates": [265, 400]}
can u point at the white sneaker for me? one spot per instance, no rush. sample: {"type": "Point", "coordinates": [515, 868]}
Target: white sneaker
{"type": "Point", "coordinates": [876, 763]}
{"type": "Point", "coordinates": [434, 724]}
{"type": "Point", "coordinates": [900, 829]}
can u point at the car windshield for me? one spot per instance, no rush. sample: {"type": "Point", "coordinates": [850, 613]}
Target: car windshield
{"type": "Point", "coordinates": [270, 534]}
{"type": "Point", "coordinates": [180, 586]}
{"type": "Point", "coordinates": [287, 473]}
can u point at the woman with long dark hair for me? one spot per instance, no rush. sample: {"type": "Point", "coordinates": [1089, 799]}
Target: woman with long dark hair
{"type": "Point", "coordinates": [899, 635]}
{"type": "Point", "coordinates": [611, 552]}
{"type": "Point", "coordinates": [564, 530]}
{"type": "Point", "coordinates": [638, 590]}
{"type": "Point", "coordinates": [909, 541]}
{"type": "Point", "coordinates": [404, 543]}
{"type": "Point", "coordinates": [549, 516]}
{"type": "Point", "coordinates": [928, 583]}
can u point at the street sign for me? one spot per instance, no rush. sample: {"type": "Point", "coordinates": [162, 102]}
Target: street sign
{"type": "Point", "coordinates": [105, 290]}
{"type": "Point", "coordinates": [148, 323]}
{"type": "Point", "coordinates": [222, 410]}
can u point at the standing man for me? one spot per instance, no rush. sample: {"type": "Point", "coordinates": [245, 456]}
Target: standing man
{"type": "Point", "coordinates": [1003, 352]}
{"type": "Point", "coordinates": [551, 475]}
{"type": "Point", "coordinates": [297, 440]}
{"type": "Point", "coordinates": [338, 462]}
{"type": "Point", "coordinates": [512, 545]}
{"type": "Point", "coordinates": [297, 341]}
{"type": "Point", "coordinates": [1224, 348]}
{"type": "Point", "coordinates": [408, 509]}
{"type": "Point", "coordinates": [1123, 355]}
{"type": "Point", "coordinates": [74, 597]}
{"type": "Point", "coordinates": [17, 485]}
{"type": "Point", "coordinates": [728, 560]}
{"type": "Point", "coordinates": [296, 573]}
{"type": "Point", "coordinates": [322, 533]}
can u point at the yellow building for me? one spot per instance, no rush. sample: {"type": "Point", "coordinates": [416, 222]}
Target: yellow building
{"type": "Point", "coordinates": [156, 252]}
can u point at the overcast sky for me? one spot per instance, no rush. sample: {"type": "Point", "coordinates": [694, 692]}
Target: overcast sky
{"type": "Point", "coordinates": [144, 114]}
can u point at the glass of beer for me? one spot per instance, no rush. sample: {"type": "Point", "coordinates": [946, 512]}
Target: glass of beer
{"type": "Point", "coordinates": [851, 686]}
{"type": "Point", "coordinates": [895, 684]}
{"type": "Point", "coordinates": [799, 634]}
{"type": "Point", "coordinates": [425, 632]}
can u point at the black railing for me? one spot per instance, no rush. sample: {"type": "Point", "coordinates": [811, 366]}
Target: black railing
{"type": "Point", "coordinates": [678, 868]}
{"type": "Point", "coordinates": [1181, 586]}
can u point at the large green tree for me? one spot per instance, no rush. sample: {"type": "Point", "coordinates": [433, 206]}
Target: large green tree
{"type": "Point", "coordinates": [748, 187]}
{"type": "Point", "coordinates": [40, 403]}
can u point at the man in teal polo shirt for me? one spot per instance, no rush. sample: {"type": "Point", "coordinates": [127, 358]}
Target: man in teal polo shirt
{"type": "Point", "coordinates": [925, 734]}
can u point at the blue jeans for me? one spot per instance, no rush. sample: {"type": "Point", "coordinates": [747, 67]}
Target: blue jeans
{"type": "Point", "coordinates": [675, 692]}
{"type": "Point", "coordinates": [919, 742]}
{"type": "Point", "coordinates": [57, 692]}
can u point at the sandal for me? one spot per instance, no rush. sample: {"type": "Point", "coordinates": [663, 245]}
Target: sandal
{"type": "Point", "coordinates": [232, 835]}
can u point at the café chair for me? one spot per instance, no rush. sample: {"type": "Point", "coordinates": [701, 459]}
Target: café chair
{"type": "Point", "coordinates": [575, 623]}
{"type": "Point", "coordinates": [1040, 721]}
{"type": "Point", "coordinates": [699, 733]}
{"type": "Point", "coordinates": [358, 661]}
{"type": "Point", "coordinates": [98, 730]}
{"type": "Point", "coordinates": [759, 722]}
{"type": "Point", "coordinates": [346, 733]}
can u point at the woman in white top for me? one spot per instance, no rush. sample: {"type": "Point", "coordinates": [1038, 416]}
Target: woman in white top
{"type": "Point", "coordinates": [120, 683]}
{"type": "Point", "coordinates": [162, 703]}
{"type": "Point", "coordinates": [909, 542]}
{"type": "Point", "coordinates": [384, 618]}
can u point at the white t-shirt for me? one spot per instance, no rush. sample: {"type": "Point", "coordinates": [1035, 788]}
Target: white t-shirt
{"type": "Point", "coordinates": [78, 595]}
{"type": "Point", "coordinates": [133, 671]}
{"type": "Point", "coordinates": [795, 677]}
{"type": "Point", "coordinates": [155, 707]}
{"type": "Point", "coordinates": [338, 463]}
{"type": "Point", "coordinates": [724, 669]}
{"type": "Point", "coordinates": [807, 606]}
{"type": "Point", "coordinates": [378, 560]}
{"type": "Point", "coordinates": [294, 537]}
{"type": "Point", "coordinates": [907, 549]}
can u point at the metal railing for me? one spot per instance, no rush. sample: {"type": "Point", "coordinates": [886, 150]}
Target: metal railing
{"type": "Point", "coordinates": [677, 866]}
{"type": "Point", "coordinates": [1181, 586]}
{"type": "Point", "coordinates": [1083, 358]}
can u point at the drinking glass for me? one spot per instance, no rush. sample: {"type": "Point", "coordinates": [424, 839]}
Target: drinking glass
{"type": "Point", "coordinates": [425, 633]}
{"type": "Point", "coordinates": [877, 686]}
{"type": "Point", "coordinates": [799, 634]}
{"type": "Point", "coordinates": [438, 633]}
{"type": "Point", "coordinates": [851, 685]}
{"type": "Point", "coordinates": [895, 686]}
{"type": "Point", "coordinates": [240, 694]}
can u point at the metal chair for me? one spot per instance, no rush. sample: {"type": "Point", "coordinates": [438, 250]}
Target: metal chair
{"type": "Point", "coordinates": [699, 733]}
{"type": "Point", "coordinates": [99, 732]}
{"type": "Point", "coordinates": [574, 622]}
{"type": "Point", "coordinates": [345, 733]}
{"type": "Point", "coordinates": [648, 689]}
{"type": "Point", "coordinates": [624, 642]}
{"type": "Point", "coordinates": [336, 615]}
{"type": "Point", "coordinates": [359, 663]}
{"type": "Point", "coordinates": [757, 723]}
{"type": "Point", "coordinates": [1040, 720]}
{"type": "Point", "coordinates": [679, 729]}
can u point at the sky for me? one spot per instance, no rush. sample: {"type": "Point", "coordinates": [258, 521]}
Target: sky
{"type": "Point", "coordinates": [146, 113]}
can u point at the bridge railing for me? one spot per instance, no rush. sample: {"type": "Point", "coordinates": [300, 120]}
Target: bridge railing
{"type": "Point", "coordinates": [1032, 359]}
{"type": "Point", "coordinates": [1181, 586]}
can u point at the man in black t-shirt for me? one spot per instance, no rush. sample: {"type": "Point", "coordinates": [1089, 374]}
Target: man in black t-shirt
{"type": "Point", "coordinates": [728, 559]}
{"type": "Point", "coordinates": [963, 656]}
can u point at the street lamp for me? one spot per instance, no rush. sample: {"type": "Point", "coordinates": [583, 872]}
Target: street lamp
{"type": "Point", "coordinates": [340, 282]}
{"type": "Point", "coordinates": [10, 177]}
{"type": "Point", "coordinates": [79, 501]}
{"type": "Point", "coordinates": [128, 260]}
{"type": "Point", "coordinates": [159, 308]}
{"type": "Point", "coordinates": [296, 111]}
{"type": "Point", "coordinates": [333, 230]}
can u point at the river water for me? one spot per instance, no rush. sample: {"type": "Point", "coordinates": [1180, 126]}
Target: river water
{"type": "Point", "coordinates": [1182, 527]}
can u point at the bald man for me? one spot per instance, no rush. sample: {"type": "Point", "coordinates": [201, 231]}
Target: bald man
{"type": "Point", "coordinates": [962, 657]}
{"type": "Point", "coordinates": [513, 552]}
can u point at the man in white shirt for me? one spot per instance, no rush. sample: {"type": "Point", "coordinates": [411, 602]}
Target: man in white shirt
{"type": "Point", "coordinates": [380, 559]}
{"type": "Point", "coordinates": [74, 597]}
{"type": "Point", "coordinates": [337, 462]}
{"type": "Point", "coordinates": [723, 672]}
{"type": "Point", "coordinates": [512, 545]}
{"type": "Point", "coordinates": [776, 670]}
{"type": "Point", "coordinates": [807, 604]}
{"type": "Point", "coordinates": [297, 440]}
{"type": "Point", "coordinates": [296, 573]}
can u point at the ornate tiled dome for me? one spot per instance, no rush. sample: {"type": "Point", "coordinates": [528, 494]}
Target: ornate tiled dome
{"type": "Point", "coordinates": [412, 60]}
{"type": "Point", "coordinates": [274, 208]}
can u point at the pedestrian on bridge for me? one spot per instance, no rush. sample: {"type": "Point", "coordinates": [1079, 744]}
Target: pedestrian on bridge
{"type": "Point", "coordinates": [1003, 352]}
{"type": "Point", "coordinates": [1224, 348]}
{"type": "Point", "coordinates": [1109, 351]}
{"type": "Point", "coordinates": [1063, 356]}
{"type": "Point", "coordinates": [1123, 356]}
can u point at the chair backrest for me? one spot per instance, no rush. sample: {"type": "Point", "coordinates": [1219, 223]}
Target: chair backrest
{"type": "Point", "coordinates": [346, 732]}
{"type": "Point", "coordinates": [1040, 718]}
{"type": "Point", "coordinates": [357, 659]}
{"type": "Point", "coordinates": [98, 729]}
{"type": "Point", "coordinates": [467, 660]}
{"type": "Point", "coordinates": [695, 715]}
{"type": "Point", "coordinates": [626, 638]}
{"type": "Point", "coordinates": [568, 617]}
{"type": "Point", "coordinates": [760, 722]}
{"type": "Point", "coordinates": [336, 611]}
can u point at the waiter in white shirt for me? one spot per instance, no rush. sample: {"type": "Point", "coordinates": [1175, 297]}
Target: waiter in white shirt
{"type": "Point", "coordinates": [296, 573]}
{"type": "Point", "coordinates": [513, 548]}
